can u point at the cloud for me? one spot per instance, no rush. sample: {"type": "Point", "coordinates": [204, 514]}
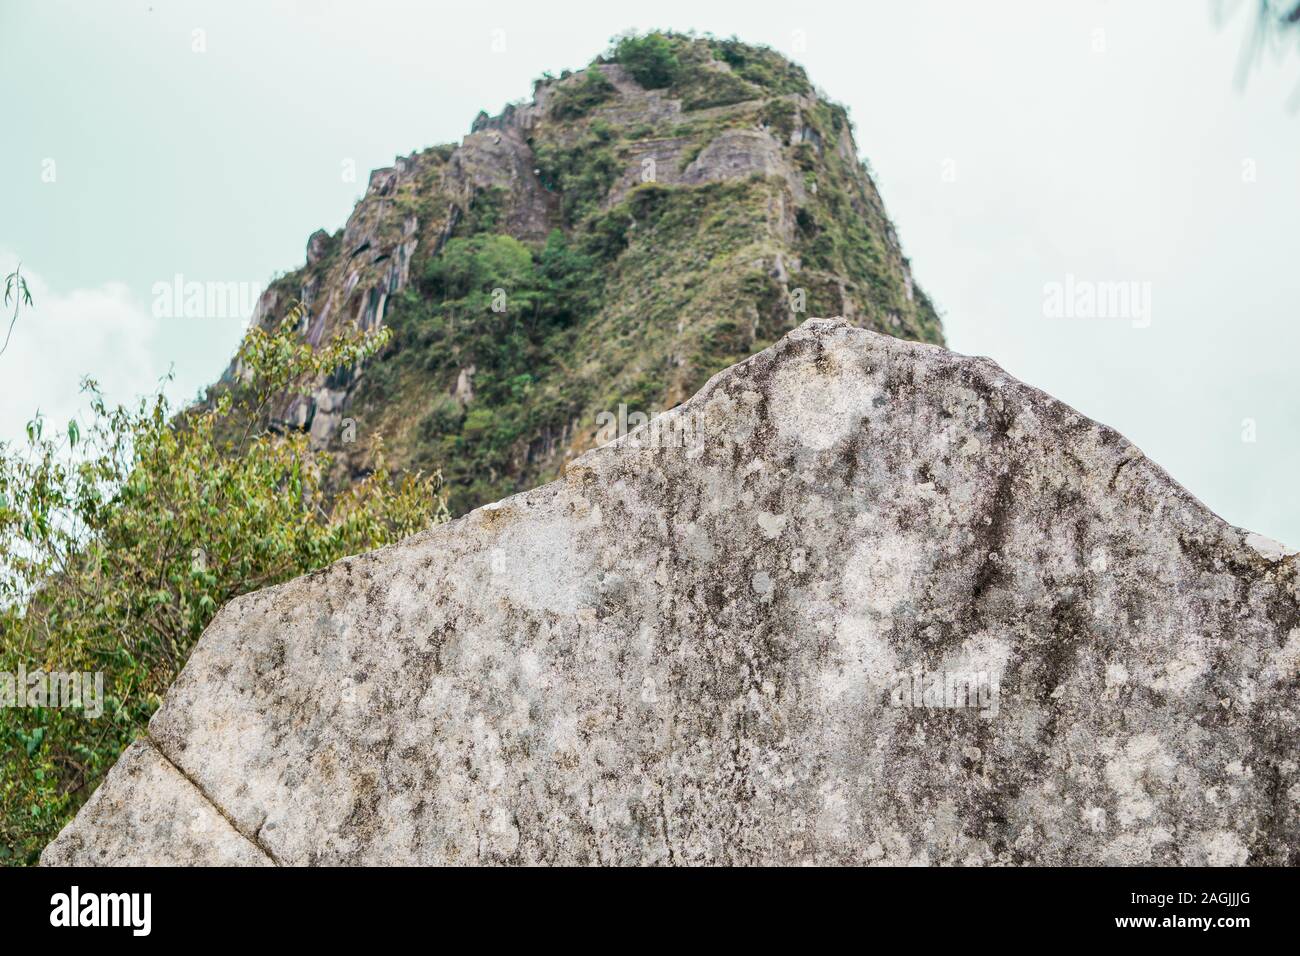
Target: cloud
{"type": "Point", "coordinates": [62, 337]}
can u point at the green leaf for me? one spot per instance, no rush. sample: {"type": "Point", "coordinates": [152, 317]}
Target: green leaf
{"type": "Point", "coordinates": [33, 740]}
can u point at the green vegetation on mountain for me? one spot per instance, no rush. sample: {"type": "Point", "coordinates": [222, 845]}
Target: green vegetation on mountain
{"type": "Point", "coordinates": [650, 265]}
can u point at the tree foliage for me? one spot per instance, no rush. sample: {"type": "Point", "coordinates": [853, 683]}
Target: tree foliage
{"type": "Point", "coordinates": [119, 541]}
{"type": "Point", "coordinates": [651, 59]}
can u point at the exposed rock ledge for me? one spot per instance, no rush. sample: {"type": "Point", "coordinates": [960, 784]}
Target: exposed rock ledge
{"type": "Point", "coordinates": [692, 655]}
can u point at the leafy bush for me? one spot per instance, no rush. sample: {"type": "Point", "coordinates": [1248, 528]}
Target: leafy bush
{"type": "Point", "coordinates": [651, 59]}
{"type": "Point", "coordinates": [119, 542]}
{"type": "Point", "coordinates": [479, 264]}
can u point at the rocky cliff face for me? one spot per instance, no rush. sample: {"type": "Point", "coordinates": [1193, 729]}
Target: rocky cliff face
{"type": "Point", "coordinates": [860, 600]}
{"type": "Point", "coordinates": [604, 244]}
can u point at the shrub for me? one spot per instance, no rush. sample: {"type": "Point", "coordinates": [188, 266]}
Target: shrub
{"type": "Point", "coordinates": [119, 542]}
{"type": "Point", "coordinates": [651, 59]}
{"type": "Point", "coordinates": [479, 264]}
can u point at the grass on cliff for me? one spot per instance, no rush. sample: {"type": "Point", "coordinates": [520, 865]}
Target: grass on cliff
{"type": "Point", "coordinates": [122, 535]}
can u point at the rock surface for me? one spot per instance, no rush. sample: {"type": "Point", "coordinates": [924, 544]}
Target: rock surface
{"type": "Point", "coordinates": [147, 814]}
{"type": "Point", "coordinates": [713, 641]}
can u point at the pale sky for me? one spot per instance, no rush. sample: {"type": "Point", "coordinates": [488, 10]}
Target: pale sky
{"type": "Point", "coordinates": [1017, 144]}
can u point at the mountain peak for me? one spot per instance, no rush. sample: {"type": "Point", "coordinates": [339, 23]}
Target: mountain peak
{"type": "Point", "coordinates": [636, 226]}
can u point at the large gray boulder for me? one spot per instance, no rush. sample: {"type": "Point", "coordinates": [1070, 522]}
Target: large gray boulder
{"type": "Point", "coordinates": [860, 600]}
